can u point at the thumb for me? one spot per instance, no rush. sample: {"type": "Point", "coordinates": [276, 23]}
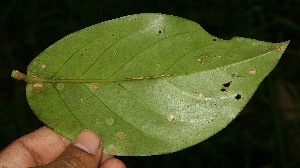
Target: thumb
{"type": "Point", "coordinates": [85, 152]}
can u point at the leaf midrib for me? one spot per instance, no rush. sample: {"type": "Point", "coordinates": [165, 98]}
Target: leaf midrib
{"type": "Point", "coordinates": [45, 80]}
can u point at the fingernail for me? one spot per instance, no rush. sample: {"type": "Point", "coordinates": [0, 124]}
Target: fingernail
{"type": "Point", "coordinates": [88, 141]}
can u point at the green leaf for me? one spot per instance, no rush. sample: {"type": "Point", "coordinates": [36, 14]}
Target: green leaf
{"type": "Point", "coordinates": [148, 83]}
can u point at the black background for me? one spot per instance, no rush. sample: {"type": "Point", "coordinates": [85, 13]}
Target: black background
{"type": "Point", "coordinates": [265, 134]}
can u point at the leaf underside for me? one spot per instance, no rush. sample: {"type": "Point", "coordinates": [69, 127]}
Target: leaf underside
{"type": "Point", "coordinates": [148, 84]}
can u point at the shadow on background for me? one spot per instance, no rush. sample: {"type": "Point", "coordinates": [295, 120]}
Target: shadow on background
{"type": "Point", "coordinates": [265, 134]}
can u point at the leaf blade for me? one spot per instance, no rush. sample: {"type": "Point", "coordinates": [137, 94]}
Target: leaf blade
{"type": "Point", "coordinates": [171, 84]}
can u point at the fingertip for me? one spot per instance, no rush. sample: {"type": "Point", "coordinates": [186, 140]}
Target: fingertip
{"type": "Point", "coordinates": [113, 163]}
{"type": "Point", "coordinates": [88, 141]}
{"type": "Point", "coordinates": [106, 157]}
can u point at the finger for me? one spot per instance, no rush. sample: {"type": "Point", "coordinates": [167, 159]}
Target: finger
{"type": "Point", "coordinates": [85, 152]}
{"type": "Point", "coordinates": [106, 157]}
{"type": "Point", "coordinates": [29, 150]}
{"type": "Point", "coordinates": [113, 163]}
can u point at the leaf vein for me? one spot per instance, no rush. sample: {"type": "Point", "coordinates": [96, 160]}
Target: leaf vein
{"type": "Point", "coordinates": [93, 94]}
{"type": "Point", "coordinates": [67, 105]}
{"type": "Point", "coordinates": [145, 49]}
{"type": "Point", "coordinates": [184, 56]}
{"type": "Point", "coordinates": [105, 52]}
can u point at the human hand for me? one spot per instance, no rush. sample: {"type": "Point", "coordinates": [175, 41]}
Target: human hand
{"type": "Point", "coordinates": [44, 148]}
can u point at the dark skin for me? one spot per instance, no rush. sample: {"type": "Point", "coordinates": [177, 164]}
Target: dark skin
{"type": "Point", "coordinates": [44, 148]}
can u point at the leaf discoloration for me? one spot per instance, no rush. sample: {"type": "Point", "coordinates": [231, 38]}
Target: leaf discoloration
{"type": "Point", "coordinates": [252, 72]}
{"type": "Point", "coordinates": [38, 85]}
{"type": "Point", "coordinates": [95, 86]}
{"type": "Point", "coordinates": [280, 48]}
{"type": "Point", "coordinates": [121, 136]}
{"type": "Point", "coordinates": [170, 117]}
{"type": "Point", "coordinates": [225, 86]}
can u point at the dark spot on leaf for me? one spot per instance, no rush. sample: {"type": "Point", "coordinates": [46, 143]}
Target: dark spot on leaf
{"type": "Point", "coordinates": [232, 75]}
{"type": "Point", "coordinates": [225, 86]}
{"type": "Point", "coordinates": [238, 97]}
{"type": "Point", "coordinates": [223, 90]}
{"type": "Point", "coordinates": [159, 31]}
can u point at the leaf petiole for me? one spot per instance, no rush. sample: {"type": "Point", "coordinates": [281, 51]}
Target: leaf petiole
{"type": "Point", "coordinates": [20, 76]}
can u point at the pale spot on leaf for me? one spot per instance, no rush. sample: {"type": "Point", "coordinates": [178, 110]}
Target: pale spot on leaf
{"type": "Point", "coordinates": [252, 72]}
{"type": "Point", "coordinates": [199, 60]}
{"type": "Point", "coordinates": [110, 121]}
{"type": "Point", "coordinates": [200, 95]}
{"type": "Point", "coordinates": [121, 136]}
{"type": "Point", "coordinates": [38, 85]}
{"type": "Point", "coordinates": [60, 86]}
{"type": "Point", "coordinates": [170, 117]}
{"type": "Point", "coordinates": [280, 48]}
{"type": "Point", "coordinates": [95, 86]}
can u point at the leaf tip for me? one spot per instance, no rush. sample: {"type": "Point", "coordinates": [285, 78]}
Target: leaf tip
{"type": "Point", "coordinates": [281, 47]}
